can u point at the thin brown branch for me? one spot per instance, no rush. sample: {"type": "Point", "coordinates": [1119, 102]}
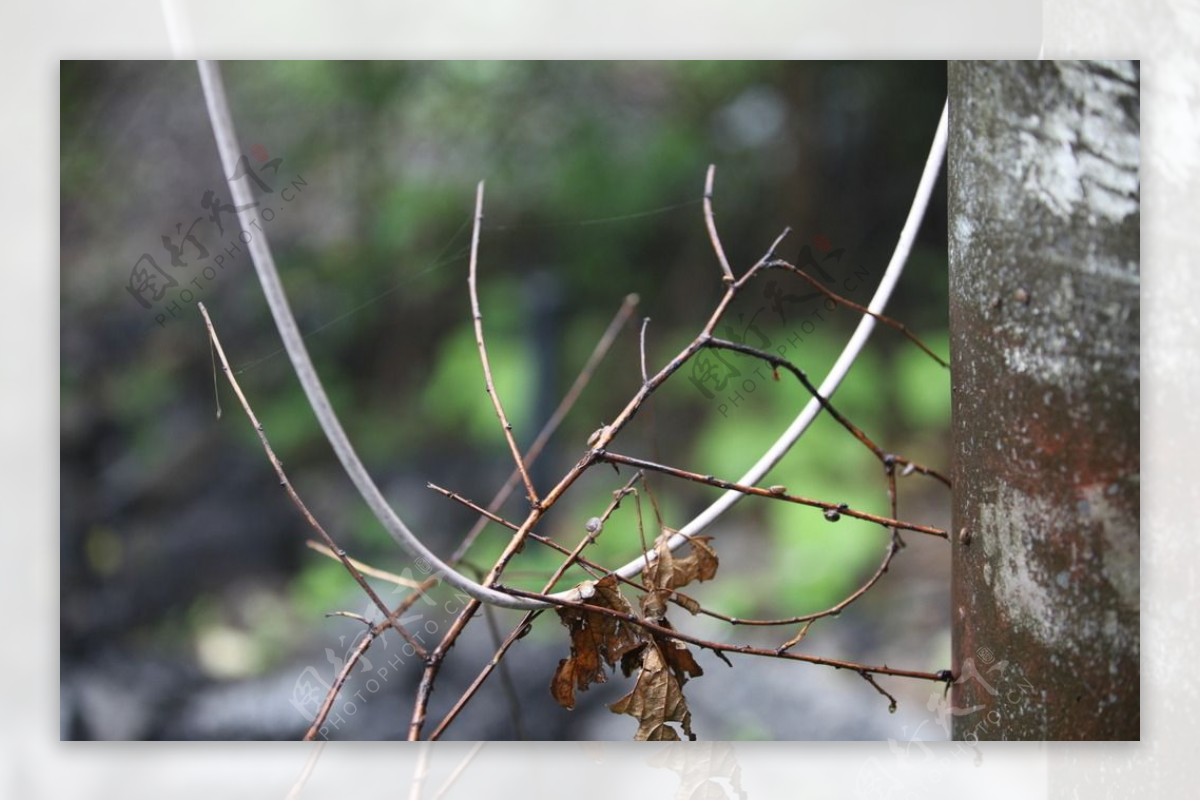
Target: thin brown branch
{"type": "Point", "coordinates": [340, 680]}
{"type": "Point", "coordinates": [564, 407]}
{"type": "Point", "coordinates": [800, 635]}
{"type": "Point", "coordinates": [871, 680]}
{"type": "Point", "coordinates": [711, 223]}
{"type": "Point", "coordinates": [495, 518]}
{"type": "Point", "coordinates": [295, 498]}
{"type": "Point", "coordinates": [642, 347]}
{"type": "Point", "coordinates": [843, 301]}
{"type": "Point", "coordinates": [777, 362]}
{"type": "Point", "coordinates": [775, 493]}
{"type": "Point", "coordinates": [722, 648]}
{"type": "Point", "coordinates": [483, 354]}
{"type": "Point", "coordinates": [593, 529]}
{"type": "Point", "coordinates": [913, 467]}
{"type": "Point", "coordinates": [352, 660]}
{"type": "Point", "coordinates": [598, 443]}
{"type": "Point", "coordinates": [597, 571]}
{"type": "Point", "coordinates": [434, 660]}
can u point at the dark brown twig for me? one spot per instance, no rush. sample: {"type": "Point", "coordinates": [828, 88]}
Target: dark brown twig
{"type": "Point", "coordinates": [594, 528]}
{"type": "Point", "coordinates": [843, 301]}
{"type": "Point", "coordinates": [722, 648]}
{"type": "Point", "coordinates": [777, 362]}
{"type": "Point", "coordinates": [871, 680]}
{"type": "Point", "coordinates": [357, 654]}
{"type": "Point", "coordinates": [767, 492]}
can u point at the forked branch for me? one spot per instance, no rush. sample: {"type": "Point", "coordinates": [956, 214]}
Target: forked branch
{"type": "Point", "coordinates": [488, 590]}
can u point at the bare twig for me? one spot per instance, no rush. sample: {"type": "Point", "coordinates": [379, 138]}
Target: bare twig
{"type": "Point", "coordinates": [779, 362]}
{"type": "Point", "coordinates": [598, 571]}
{"type": "Point", "coordinates": [600, 441]}
{"type": "Point", "coordinates": [291, 491]}
{"type": "Point", "coordinates": [495, 518]}
{"type": "Point", "coordinates": [353, 659]}
{"type": "Point", "coordinates": [767, 492]}
{"type": "Point", "coordinates": [843, 301]}
{"type": "Point", "coordinates": [642, 347]}
{"type": "Point", "coordinates": [490, 386]}
{"type": "Point", "coordinates": [606, 434]}
{"type": "Point", "coordinates": [871, 680]}
{"type": "Point", "coordinates": [913, 467]}
{"type": "Point", "coordinates": [565, 405]}
{"type": "Point", "coordinates": [340, 680]}
{"type": "Point", "coordinates": [594, 527]}
{"type": "Point", "coordinates": [800, 635]}
{"type": "Point", "coordinates": [711, 224]}
{"type": "Point", "coordinates": [722, 648]}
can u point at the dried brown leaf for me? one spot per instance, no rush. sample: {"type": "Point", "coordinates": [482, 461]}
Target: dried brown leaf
{"type": "Point", "coordinates": [668, 572]}
{"type": "Point", "coordinates": [597, 640]}
{"type": "Point", "coordinates": [679, 658]}
{"type": "Point", "coordinates": [656, 699]}
{"type": "Point", "coordinates": [688, 602]}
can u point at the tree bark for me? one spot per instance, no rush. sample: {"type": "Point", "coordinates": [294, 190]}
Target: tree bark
{"type": "Point", "coordinates": [1044, 318]}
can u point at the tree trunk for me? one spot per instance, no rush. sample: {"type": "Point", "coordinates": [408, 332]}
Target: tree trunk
{"type": "Point", "coordinates": [1044, 318]}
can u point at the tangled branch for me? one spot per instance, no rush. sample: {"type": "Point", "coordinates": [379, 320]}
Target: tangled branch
{"type": "Point", "coordinates": [643, 642]}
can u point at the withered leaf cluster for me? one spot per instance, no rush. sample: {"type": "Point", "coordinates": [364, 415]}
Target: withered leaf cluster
{"type": "Point", "coordinates": [663, 664]}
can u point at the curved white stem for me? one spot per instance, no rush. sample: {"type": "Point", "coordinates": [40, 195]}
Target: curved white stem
{"type": "Point", "coordinates": [293, 342]}
{"type": "Point", "coordinates": [841, 367]}
{"type": "Point", "coordinates": [268, 276]}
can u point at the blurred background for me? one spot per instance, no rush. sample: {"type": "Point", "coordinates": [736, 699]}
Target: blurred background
{"type": "Point", "coordinates": [191, 607]}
